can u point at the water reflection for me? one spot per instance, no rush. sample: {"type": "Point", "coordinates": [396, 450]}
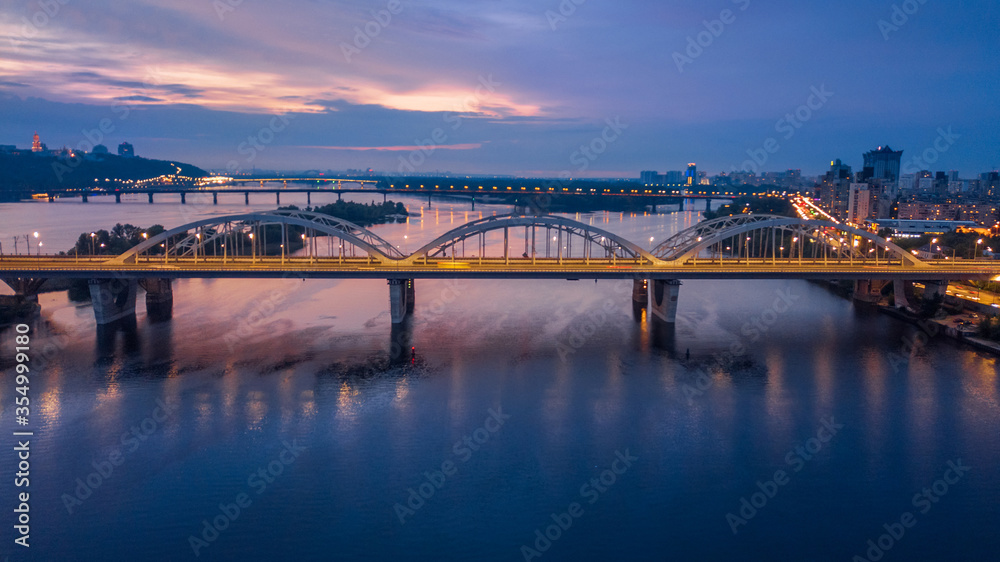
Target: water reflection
{"type": "Point", "coordinates": [120, 336]}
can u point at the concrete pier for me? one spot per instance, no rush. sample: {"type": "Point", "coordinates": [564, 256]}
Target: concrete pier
{"type": "Point", "coordinates": [640, 296]}
{"type": "Point", "coordinates": [663, 296]}
{"type": "Point", "coordinates": [113, 299]}
{"type": "Point", "coordinates": [159, 298]}
{"type": "Point", "coordinates": [401, 299]}
{"type": "Point", "coordinates": [900, 289]}
{"type": "Point", "coordinates": [869, 290]}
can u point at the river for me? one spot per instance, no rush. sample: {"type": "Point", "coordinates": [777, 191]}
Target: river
{"type": "Point", "coordinates": [512, 420]}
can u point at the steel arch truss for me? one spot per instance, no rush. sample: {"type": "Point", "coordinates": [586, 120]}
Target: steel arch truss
{"type": "Point", "coordinates": [840, 239]}
{"type": "Point", "coordinates": [565, 231]}
{"type": "Point", "coordinates": [197, 236]}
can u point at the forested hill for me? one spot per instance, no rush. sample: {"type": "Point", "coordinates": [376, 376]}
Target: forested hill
{"type": "Point", "coordinates": [25, 173]}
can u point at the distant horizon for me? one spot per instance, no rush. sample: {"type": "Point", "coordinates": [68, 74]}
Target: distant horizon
{"type": "Point", "coordinates": [595, 174]}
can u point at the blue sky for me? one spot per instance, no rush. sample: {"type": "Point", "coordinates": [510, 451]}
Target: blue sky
{"type": "Point", "coordinates": [506, 87]}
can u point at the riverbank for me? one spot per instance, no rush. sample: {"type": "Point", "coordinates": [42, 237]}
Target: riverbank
{"type": "Point", "coordinates": [14, 309]}
{"type": "Point", "coordinates": [948, 325]}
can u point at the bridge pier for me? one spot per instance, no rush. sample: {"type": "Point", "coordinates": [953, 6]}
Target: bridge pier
{"type": "Point", "coordinates": [663, 296]}
{"type": "Point", "coordinates": [26, 287]}
{"type": "Point", "coordinates": [309, 198]}
{"type": "Point", "coordinates": [932, 288]}
{"type": "Point", "coordinates": [640, 297]}
{"type": "Point", "coordinates": [118, 197]}
{"type": "Point", "coordinates": [159, 298]}
{"type": "Point", "coordinates": [113, 299]}
{"type": "Point", "coordinates": [681, 208]}
{"type": "Point", "coordinates": [900, 289]}
{"type": "Point", "coordinates": [401, 299]}
{"type": "Point", "coordinates": [150, 194]}
{"type": "Point", "coordinates": [246, 197]}
{"type": "Point", "coordinates": [869, 290]}
{"type": "Point", "coordinates": [277, 198]}
{"type": "Point", "coordinates": [215, 198]}
{"type": "Point", "coordinates": [708, 204]}
{"type": "Point", "coordinates": [338, 196]}
{"type": "Point", "coordinates": [84, 196]}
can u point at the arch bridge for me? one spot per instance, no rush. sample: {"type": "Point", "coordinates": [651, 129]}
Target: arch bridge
{"type": "Point", "coordinates": [303, 244]}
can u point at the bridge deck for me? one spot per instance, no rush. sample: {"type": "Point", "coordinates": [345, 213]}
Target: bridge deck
{"type": "Point", "coordinates": [491, 268]}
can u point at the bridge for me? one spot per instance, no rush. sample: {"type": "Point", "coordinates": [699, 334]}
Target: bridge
{"type": "Point", "coordinates": [299, 244]}
{"type": "Point", "coordinates": [413, 186]}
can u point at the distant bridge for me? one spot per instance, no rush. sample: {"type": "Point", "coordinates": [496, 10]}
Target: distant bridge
{"type": "Point", "coordinates": [387, 186]}
{"type": "Point", "coordinates": [261, 245]}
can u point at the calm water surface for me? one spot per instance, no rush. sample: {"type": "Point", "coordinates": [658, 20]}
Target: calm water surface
{"type": "Point", "coordinates": [309, 379]}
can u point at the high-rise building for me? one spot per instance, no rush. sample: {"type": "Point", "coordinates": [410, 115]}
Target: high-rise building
{"type": "Point", "coordinates": [126, 150]}
{"type": "Point", "coordinates": [674, 177]}
{"type": "Point", "coordinates": [36, 144]}
{"type": "Point", "coordinates": [649, 177]}
{"type": "Point", "coordinates": [692, 174]}
{"type": "Point", "coordinates": [834, 187]}
{"type": "Point", "coordinates": [884, 163]}
{"type": "Point", "coordinates": [858, 203]}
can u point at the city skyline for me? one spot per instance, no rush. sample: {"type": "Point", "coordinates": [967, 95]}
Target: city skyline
{"type": "Point", "coordinates": [522, 89]}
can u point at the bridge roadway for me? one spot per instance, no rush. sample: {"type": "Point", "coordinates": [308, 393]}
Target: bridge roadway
{"type": "Point", "coordinates": [744, 246]}
{"type": "Point", "coordinates": [246, 267]}
{"type": "Point", "coordinates": [643, 192]}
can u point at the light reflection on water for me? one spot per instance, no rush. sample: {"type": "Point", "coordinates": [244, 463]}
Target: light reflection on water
{"type": "Point", "coordinates": [250, 364]}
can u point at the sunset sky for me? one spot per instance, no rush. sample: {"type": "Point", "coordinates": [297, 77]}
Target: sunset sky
{"type": "Point", "coordinates": [512, 87]}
